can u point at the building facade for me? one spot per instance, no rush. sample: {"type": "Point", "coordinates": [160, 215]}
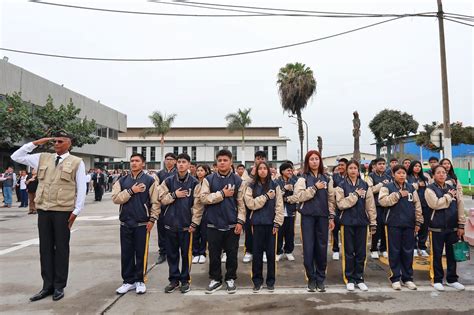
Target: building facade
{"type": "Point", "coordinates": [35, 90]}
{"type": "Point", "coordinates": [202, 144]}
{"type": "Point", "coordinates": [331, 161]}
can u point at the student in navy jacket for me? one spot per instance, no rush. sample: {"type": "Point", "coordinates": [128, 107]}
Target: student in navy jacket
{"type": "Point", "coordinates": [315, 192]}
{"type": "Point", "coordinates": [177, 196]}
{"type": "Point", "coordinates": [137, 195]}
{"type": "Point", "coordinates": [356, 202]}
{"type": "Point", "coordinates": [337, 178]}
{"type": "Point", "coordinates": [287, 231]}
{"type": "Point", "coordinates": [446, 227]}
{"type": "Point", "coordinates": [222, 196]}
{"type": "Point", "coordinates": [403, 220]}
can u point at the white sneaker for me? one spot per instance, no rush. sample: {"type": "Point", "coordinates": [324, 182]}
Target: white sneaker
{"type": "Point", "coordinates": [424, 253]}
{"type": "Point", "coordinates": [264, 257]}
{"type": "Point", "coordinates": [202, 259]}
{"type": "Point", "coordinates": [335, 256]}
{"type": "Point", "coordinates": [350, 287]}
{"type": "Point", "coordinates": [124, 288]}
{"type": "Point", "coordinates": [415, 253]}
{"type": "Point", "coordinates": [396, 286]}
{"type": "Point", "coordinates": [410, 285]}
{"type": "Point", "coordinates": [374, 255]}
{"type": "Point", "coordinates": [385, 254]}
{"type": "Point", "coordinates": [279, 257]}
{"type": "Point", "coordinates": [195, 259]}
{"type": "Point", "coordinates": [290, 257]}
{"type": "Point", "coordinates": [456, 285]}
{"type": "Point", "coordinates": [141, 288]}
{"type": "Point", "coordinates": [362, 286]}
{"type": "Point", "coordinates": [224, 258]}
{"type": "Point", "coordinates": [247, 258]}
{"type": "Point", "coordinates": [438, 286]}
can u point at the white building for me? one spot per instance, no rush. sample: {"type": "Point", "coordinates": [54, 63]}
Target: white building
{"type": "Point", "coordinates": [202, 144]}
{"type": "Point", "coordinates": [332, 160]}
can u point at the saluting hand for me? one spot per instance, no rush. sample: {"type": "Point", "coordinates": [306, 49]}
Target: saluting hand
{"type": "Point", "coordinates": [138, 187]}
{"type": "Point", "coordinates": [42, 141]}
{"type": "Point", "coordinates": [180, 193]}
{"type": "Point", "coordinates": [228, 192]}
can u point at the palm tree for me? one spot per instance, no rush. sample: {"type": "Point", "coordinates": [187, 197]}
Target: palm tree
{"type": "Point", "coordinates": [162, 125]}
{"type": "Point", "coordinates": [296, 85]}
{"type": "Point", "coordinates": [239, 121]}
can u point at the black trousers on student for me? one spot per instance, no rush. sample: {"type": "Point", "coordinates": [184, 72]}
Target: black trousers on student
{"type": "Point", "coordinates": [315, 233]}
{"type": "Point", "coordinates": [380, 232]}
{"type": "Point", "coordinates": [438, 241]}
{"type": "Point", "coordinates": [54, 236]}
{"type": "Point", "coordinates": [160, 227]}
{"type": "Point", "coordinates": [263, 241]}
{"type": "Point", "coordinates": [401, 243]}
{"type": "Point", "coordinates": [423, 233]}
{"type": "Point", "coordinates": [228, 242]}
{"type": "Point", "coordinates": [98, 192]}
{"type": "Point", "coordinates": [178, 245]}
{"type": "Point", "coordinates": [200, 240]}
{"type": "Point", "coordinates": [132, 244]}
{"type": "Point", "coordinates": [248, 234]}
{"type": "Point", "coordinates": [354, 253]}
{"type": "Point", "coordinates": [287, 232]}
{"type": "Point", "coordinates": [335, 232]}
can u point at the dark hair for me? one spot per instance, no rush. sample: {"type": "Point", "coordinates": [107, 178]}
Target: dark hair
{"type": "Point", "coordinates": [406, 160]}
{"type": "Point", "coordinates": [371, 166]}
{"type": "Point", "coordinates": [224, 152]}
{"type": "Point", "coordinates": [285, 166]}
{"type": "Point", "coordinates": [433, 170]}
{"type": "Point", "coordinates": [356, 163]}
{"type": "Point", "coordinates": [184, 156]}
{"type": "Point", "coordinates": [393, 160]}
{"type": "Point", "coordinates": [261, 154]}
{"type": "Point", "coordinates": [398, 167]}
{"type": "Point", "coordinates": [306, 162]}
{"type": "Point", "coordinates": [194, 163]}
{"type": "Point", "coordinates": [214, 164]}
{"type": "Point", "coordinates": [288, 161]}
{"type": "Point", "coordinates": [205, 167]}
{"type": "Point", "coordinates": [139, 155]}
{"type": "Point", "coordinates": [266, 180]}
{"type": "Point", "coordinates": [170, 154]}
{"type": "Point", "coordinates": [412, 173]}
{"type": "Point", "coordinates": [378, 160]}
{"type": "Point", "coordinates": [451, 170]}
{"type": "Point", "coordinates": [343, 160]}
{"type": "Point", "coordinates": [240, 165]}
{"type": "Point", "coordinates": [433, 158]}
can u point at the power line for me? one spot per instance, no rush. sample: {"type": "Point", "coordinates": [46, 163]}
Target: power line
{"type": "Point", "coordinates": [445, 18]}
{"type": "Point", "coordinates": [203, 7]}
{"type": "Point", "coordinates": [461, 15]}
{"type": "Point", "coordinates": [460, 18]}
{"type": "Point", "coordinates": [200, 57]}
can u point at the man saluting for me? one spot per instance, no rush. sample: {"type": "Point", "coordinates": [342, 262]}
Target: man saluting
{"type": "Point", "coordinates": [59, 200]}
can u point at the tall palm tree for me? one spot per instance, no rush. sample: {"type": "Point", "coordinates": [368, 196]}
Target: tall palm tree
{"type": "Point", "coordinates": [161, 126]}
{"type": "Point", "coordinates": [296, 85]}
{"type": "Point", "coordinates": [239, 121]}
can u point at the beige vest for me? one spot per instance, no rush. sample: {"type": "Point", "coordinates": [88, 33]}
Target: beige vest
{"type": "Point", "coordinates": [56, 184]}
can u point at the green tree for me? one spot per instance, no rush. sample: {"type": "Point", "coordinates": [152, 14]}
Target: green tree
{"type": "Point", "coordinates": [161, 126]}
{"type": "Point", "coordinates": [390, 124]}
{"type": "Point", "coordinates": [296, 85]}
{"type": "Point", "coordinates": [65, 117]}
{"type": "Point", "coordinates": [17, 120]}
{"type": "Point", "coordinates": [239, 121]}
{"type": "Point", "coordinates": [459, 134]}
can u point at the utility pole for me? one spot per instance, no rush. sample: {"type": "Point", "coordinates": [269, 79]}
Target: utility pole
{"type": "Point", "coordinates": [444, 84]}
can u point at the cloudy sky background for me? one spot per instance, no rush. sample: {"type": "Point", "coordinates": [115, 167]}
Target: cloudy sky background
{"type": "Point", "coordinates": [394, 65]}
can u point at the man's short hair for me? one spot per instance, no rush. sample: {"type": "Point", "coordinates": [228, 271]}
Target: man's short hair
{"type": "Point", "coordinates": [378, 160]}
{"type": "Point", "coordinates": [285, 166]}
{"type": "Point", "coordinates": [194, 163]}
{"type": "Point", "coordinates": [393, 160]}
{"type": "Point", "coordinates": [260, 154]}
{"type": "Point", "coordinates": [343, 160]}
{"type": "Point", "coordinates": [170, 154]}
{"type": "Point", "coordinates": [240, 165]}
{"type": "Point", "coordinates": [433, 158]}
{"type": "Point", "coordinates": [224, 152]}
{"type": "Point", "coordinates": [139, 155]}
{"type": "Point", "coordinates": [184, 156]}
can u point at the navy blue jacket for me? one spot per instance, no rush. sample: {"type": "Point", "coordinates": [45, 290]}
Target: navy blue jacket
{"type": "Point", "coordinates": [401, 214]}
{"type": "Point", "coordinates": [290, 208]}
{"type": "Point", "coordinates": [317, 206]}
{"type": "Point", "coordinates": [265, 215]}
{"type": "Point", "coordinates": [421, 189]}
{"type": "Point", "coordinates": [376, 179]}
{"type": "Point", "coordinates": [444, 218]}
{"type": "Point", "coordinates": [357, 214]}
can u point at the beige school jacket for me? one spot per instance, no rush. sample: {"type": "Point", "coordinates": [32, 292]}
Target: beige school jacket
{"type": "Point", "coordinates": [436, 203]}
{"type": "Point", "coordinates": [388, 200]}
{"type": "Point", "coordinates": [344, 203]}
{"type": "Point", "coordinates": [302, 194]}
{"type": "Point", "coordinates": [258, 203]}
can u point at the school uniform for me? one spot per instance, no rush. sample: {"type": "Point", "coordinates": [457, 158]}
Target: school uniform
{"type": "Point", "coordinates": [177, 219]}
{"type": "Point", "coordinates": [287, 230]}
{"type": "Point", "coordinates": [162, 175]}
{"type": "Point", "coordinates": [357, 213]}
{"type": "Point", "coordinates": [222, 215]}
{"type": "Point", "coordinates": [136, 210]}
{"type": "Point", "coordinates": [402, 215]}
{"type": "Point", "coordinates": [266, 214]}
{"type": "Point", "coordinates": [423, 233]}
{"type": "Point", "coordinates": [200, 234]}
{"type": "Point", "coordinates": [447, 216]}
{"type": "Point", "coordinates": [337, 179]}
{"type": "Point", "coordinates": [316, 208]}
{"type": "Point", "coordinates": [248, 240]}
{"type": "Point", "coordinates": [375, 181]}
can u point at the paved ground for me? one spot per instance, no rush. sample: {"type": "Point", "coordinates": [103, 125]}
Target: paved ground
{"type": "Point", "coordinates": [95, 274]}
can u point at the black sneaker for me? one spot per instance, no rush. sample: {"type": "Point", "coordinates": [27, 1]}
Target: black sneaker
{"type": "Point", "coordinates": [161, 259]}
{"type": "Point", "coordinates": [213, 286]}
{"type": "Point", "coordinates": [257, 288]}
{"type": "Point", "coordinates": [231, 288]}
{"type": "Point", "coordinates": [270, 288]}
{"type": "Point", "coordinates": [311, 286]}
{"type": "Point", "coordinates": [185, 287]}
{"type": "Point", "coordinates": [171, 287]}
{"type": "Point", "coordinates": [320, 287]}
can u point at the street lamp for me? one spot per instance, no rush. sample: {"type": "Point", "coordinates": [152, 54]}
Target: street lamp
{"type": "Point", "coordinates": [307, 133]}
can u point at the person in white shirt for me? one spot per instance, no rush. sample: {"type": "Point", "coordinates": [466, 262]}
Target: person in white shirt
{"type": "Point", "coordinates": [59, 199]}
{"type": "Point", "coordinates": [23, 190]}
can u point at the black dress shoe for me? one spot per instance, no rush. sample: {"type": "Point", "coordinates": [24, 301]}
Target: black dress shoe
{"type": "Point", "coordinates": [41, 295]}
{"type": "Point", "coordinates": [161, 259]}
{"type": "Point", "coordinates": [58, 294]}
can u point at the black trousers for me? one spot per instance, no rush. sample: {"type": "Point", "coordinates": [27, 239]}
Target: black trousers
{"type": "Point", "coordinates": [54, 236]}
{"type": "Point", "coordinates": [248, 234]}
{"type": "Point", "coordinates": [315, 233]}
{"type": "Point", "coordinates": [133, 244]}
{"type": "Point", "coordinates": [438, 241]}
{"type": "Point", "coordinates": [287, 232]}
{"type": "Point", "coordinates": [354, 253]}
{"type": "Point", "coordinates": [228, 242]}
{"type": "Point", "coordinates": [98, 192]}
{"type": "Point", "coordinates": [178, 245]}
{"type": "Point", "coordinates": [24, 198]}
{"type": "Point", "coordinates": [380, 232]}
{"type": "Point", "coordinates": [401, 243]}
{"type": "Point", "coordinates": [200, 240]}
{"type": "Point", "coordinates": [335, 233]}
{"type": "Point", "coordinates": [423, 233]}
{"type": "Point", "coordinates": [160, 227]}
{"type": "Point", "coordinates": [263, 241]}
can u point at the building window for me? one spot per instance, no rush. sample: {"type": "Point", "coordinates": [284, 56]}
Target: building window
{"type": "Point", "coordinates": [153, 154]}
{"type": "Point", "coordinates": [257, 148]}
{"type": "Point", "coordinates": [274, 153]}
{"type": "Point", "coordinates": [234, 152]}
{"type": "Point", "coordinates": [134, 150]}
{"type": "Point", "coordinates": [176, 150]}
{"type": "Point", "coordinates": [185, 150]}
{"type": "Point", "coordinates": [216, 149]}
{"type": "Point", "coordinates": [193, 153]}
{"type": "Point", "coordinates": [265, 149]}
{"type": "Point", "coordinates": [102, 131]}
{"type": "Point", "coordinates": [144, 152]}
{"type": "Point", "coordinates": [113, 134]}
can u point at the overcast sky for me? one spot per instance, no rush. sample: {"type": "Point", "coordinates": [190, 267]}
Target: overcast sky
{"type": "Point", "coordinates": [394, 65]}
